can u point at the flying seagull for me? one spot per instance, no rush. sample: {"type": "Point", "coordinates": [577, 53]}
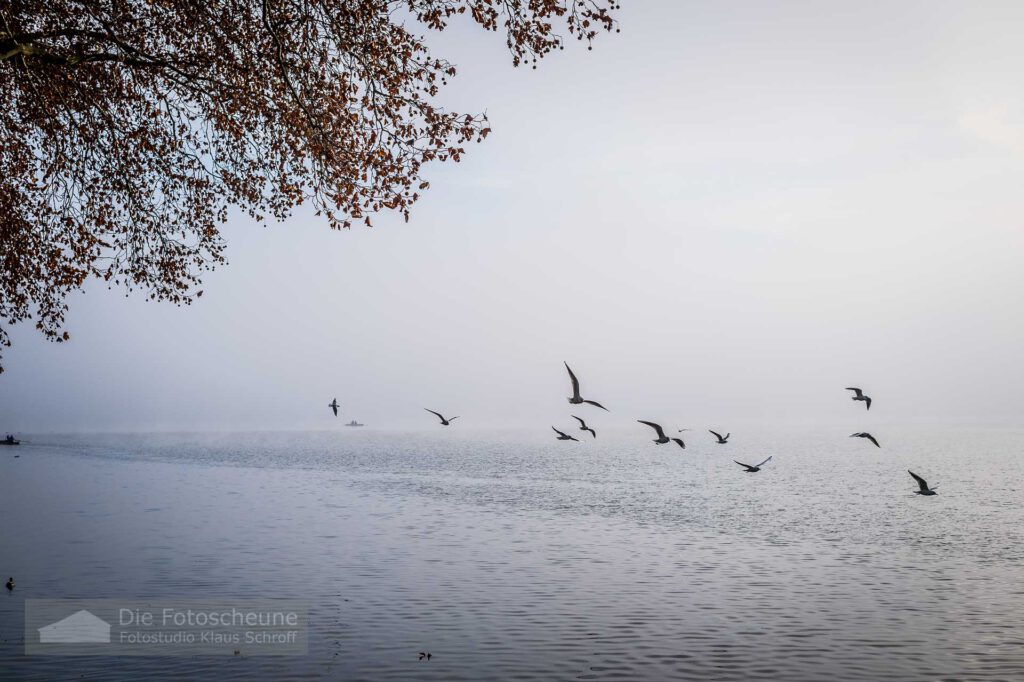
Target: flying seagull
{"type": "Point", "coordinates": [662, 438]}
{"type": "Point", "coordinates": [584, 427]}
{"type": "Point", "coordinates": [860, 396]}
{"type": "Point", "coordinates": [576, 399]}
{"type": "Point", "coordinates": [722, 440]}
{"type": "Point", "coordinates": [865, 434]}
{"type": "Point", "coordinates": [681, 430]}
{"type": "Point", "coordinates": [334, 406]}
{"type": "Point", "coordinates": [563, 436]}
{"type": "Point", "coordinates": [444, 422]}
{"type": "Point", "coordinates": [923, 484]}
{"type": "Point", "coordinates": [753, 469]}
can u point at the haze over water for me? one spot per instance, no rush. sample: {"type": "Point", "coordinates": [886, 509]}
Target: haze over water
{"type": "Point", "coordinates": [509, 555]}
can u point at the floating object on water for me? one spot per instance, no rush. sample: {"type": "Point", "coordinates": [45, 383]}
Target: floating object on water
{"type": "Point", "coordinates": [426, 655]}
{"type": "Point", "coordinates": [354, 423]}
{"type": "Point", "coordinates": [10, 584]}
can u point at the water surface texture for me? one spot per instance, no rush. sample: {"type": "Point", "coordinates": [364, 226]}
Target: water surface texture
{"type": "Point", "coordinates": [511, 556]}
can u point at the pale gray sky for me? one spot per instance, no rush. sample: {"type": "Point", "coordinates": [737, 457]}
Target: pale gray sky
{"type": "Point", "coordinates": [724, 214]}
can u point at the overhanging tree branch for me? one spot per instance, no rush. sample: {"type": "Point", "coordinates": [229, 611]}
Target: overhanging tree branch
{"type": "Point", "coordinates": [131, 127]}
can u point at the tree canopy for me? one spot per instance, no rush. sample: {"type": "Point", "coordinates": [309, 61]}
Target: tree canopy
{"type": "Point", "coordinates": [131, 127]}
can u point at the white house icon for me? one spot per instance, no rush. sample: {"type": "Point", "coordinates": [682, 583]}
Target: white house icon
{"type": "Point", "coordinates": [79, 628]}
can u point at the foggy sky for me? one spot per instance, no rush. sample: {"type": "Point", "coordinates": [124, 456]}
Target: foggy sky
{"type": "Point", "coordinates": [723, 215]}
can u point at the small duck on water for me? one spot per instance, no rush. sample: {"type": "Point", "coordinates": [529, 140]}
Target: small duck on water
{"type": "Point", "coordinates": [10, 584]}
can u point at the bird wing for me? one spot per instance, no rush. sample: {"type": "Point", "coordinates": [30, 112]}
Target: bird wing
{"type": "Point", "coordinates": [437, 414]}
{"type": "Point", "coordinates": [656, 427]}
{"type": "Point", "coordinates": [575, 381]}
{"type": "Point", "coordinates": [583, 424]}
{"type": "Point", "coordinates": [872, 439]}
{"type": "Point", "coordinates": [868, 401]}
{"type": "Point", "coordinates": [923, 484]}
{"type": "Point", "coordinates": [335, 408]}
{"type": "Point", "coordinates": [559, 432]}
{"type": "Point", "coordinates": [744, 465]}
{"type": "Point", "coordinates": [719, 437]}
{"type": "Point", "coordinates": [592, 432]}
{"type": "Point", "coordinates": [680, 442]}
{"type": "Point", "coordinates": [765, 462]}
{"type": "Point", "coordinates": [727, 436]}
{"type": "Point", "coordinates": [594, 402]}
{"type": "Point", "coordinates": [855, 390]}
{"type": "Point", "coordinates": [453, 418]}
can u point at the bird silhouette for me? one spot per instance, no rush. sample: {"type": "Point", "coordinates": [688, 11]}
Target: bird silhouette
{"type": "Point", "coordinates": [576, 399]}
{"type": "Point", "coordinates": [662, 438]}
{"type": "Point", "coordinates": [334, 406]}
{"type": "Point", "coordinates": [865, 434]}
{"type": "Point", "coordinates": [444, 422]}
{"type": "Point", "coordinates": [860, 396]}
{"type": "Point", "coordinates": [923, 485]}
{"type": "Point", "coordinates": [563, 436]}
{"type": "Point", "coordinates": [10, 585]}
{"type": "Point", "coordinates": [425, 654]}
{"type": "Point", "coordinates": [584, 427]}
{"type": "Point", "coordinates": [753, 469]}
{"type": "Point", "coordinates": [722, 440]}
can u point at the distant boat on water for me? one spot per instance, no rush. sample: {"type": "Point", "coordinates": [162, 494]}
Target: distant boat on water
{"type": "Point", "coordinates": [11, 440]}
{"type": "Point", "coordinates": [354, 423]}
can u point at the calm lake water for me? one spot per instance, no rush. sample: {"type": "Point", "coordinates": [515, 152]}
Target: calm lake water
{"type": "Point", "coordinates": [511, 556]}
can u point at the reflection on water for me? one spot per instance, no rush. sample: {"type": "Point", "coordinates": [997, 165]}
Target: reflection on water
{"type": "Point", "coordinates": [512, 556]}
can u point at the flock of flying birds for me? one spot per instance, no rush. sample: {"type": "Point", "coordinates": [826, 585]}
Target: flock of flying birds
{"type": "Point", "coordinates": [577, 399]}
